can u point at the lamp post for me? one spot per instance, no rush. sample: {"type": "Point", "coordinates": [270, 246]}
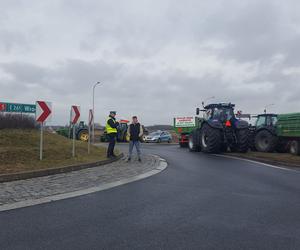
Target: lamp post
{"type": "Point", "coordinates": [269, 105]}
{"type": "Point", "coordinates": [93, 125]}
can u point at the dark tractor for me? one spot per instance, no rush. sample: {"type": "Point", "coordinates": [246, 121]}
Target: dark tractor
{"type": "Point", "coordinates": [219, 130]}
{"type": "Point", "coordinates": [263, 134]}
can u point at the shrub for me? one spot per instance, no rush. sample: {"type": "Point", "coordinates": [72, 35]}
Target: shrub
{"type": "Point", "coordinates": [17, 121]}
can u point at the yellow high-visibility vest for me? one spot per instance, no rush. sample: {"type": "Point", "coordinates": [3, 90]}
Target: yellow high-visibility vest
{"type": "Point", "coordinates": [108, 128]}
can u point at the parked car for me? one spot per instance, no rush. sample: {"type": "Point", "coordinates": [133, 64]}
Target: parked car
{"type": "Point", "coordinates": [158, 136]}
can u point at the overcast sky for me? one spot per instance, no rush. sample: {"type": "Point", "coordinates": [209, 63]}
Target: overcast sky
{"type": "Point", "coordinates": [156, 59]}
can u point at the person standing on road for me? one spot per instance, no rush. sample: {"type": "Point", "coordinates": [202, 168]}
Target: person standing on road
{"type": "Point", "coordinates": [111, 130]}
{"type": "Point", "coordinates": [135, 132]}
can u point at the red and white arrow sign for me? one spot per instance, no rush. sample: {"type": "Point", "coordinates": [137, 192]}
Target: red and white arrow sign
{"type": "Point", "coordinates": [91, 117]}
{"type": "Point", "coordinates": [43, 111]}
{"type": "Point", "coordinates": [75, 114]}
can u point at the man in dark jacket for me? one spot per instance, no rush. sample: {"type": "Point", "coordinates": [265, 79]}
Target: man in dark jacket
{"type": "Point", "coordinates": [111, 130]}
{"type": "Point", "coordinates": [135, 132]}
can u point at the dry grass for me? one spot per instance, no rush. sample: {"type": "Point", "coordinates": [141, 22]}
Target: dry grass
{"type": "Point", "coordinates": [19, 151]}
{"type": "Point", "coordinates": [275, 158]}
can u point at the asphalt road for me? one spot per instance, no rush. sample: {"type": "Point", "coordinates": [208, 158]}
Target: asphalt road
{"type": "Point", "coordinates": [200, 202]}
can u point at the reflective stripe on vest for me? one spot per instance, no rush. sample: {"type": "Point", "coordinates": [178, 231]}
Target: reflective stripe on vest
{"type": "Point", "coordinates": [108, 128]}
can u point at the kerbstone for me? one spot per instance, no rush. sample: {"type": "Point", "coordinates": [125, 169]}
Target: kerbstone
{"type": "Point", "coordinates": [40, 187]}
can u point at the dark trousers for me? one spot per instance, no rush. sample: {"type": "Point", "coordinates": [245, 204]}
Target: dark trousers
{"type": "Point", "coordinates": [111, 145]}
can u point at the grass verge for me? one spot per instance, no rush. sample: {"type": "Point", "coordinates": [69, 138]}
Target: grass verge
{"type": "Point", "coordinates": [272, 158]}
{"type": "Point", "coordinates": [19, 151]}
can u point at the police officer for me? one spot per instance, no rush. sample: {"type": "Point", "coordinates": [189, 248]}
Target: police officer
{"type": "Point", "coordinates": [111, 130]}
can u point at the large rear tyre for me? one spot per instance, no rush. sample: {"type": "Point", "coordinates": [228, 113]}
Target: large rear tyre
{"type": "Point", "coordinates": [242, 136]}
{"type": "Point", "coordinates": [210, 139]}
{"type": "Point", "coordinates": [83, 135]}
{"type": "Point", "coordinates": [265, 141]}
{"type": "Point", "coordinates": [295, 148]}
{"type": "Point", "coordinates": [193, 147]}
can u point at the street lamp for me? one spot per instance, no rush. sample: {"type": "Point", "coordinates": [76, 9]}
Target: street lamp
{"type": "Point", "coordinates": [269, 105]}
{"type": "Point", "coordinates": [93, 125]}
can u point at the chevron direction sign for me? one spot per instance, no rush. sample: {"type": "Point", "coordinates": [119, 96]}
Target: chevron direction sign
{"type": "Point", "coordinates": [43, 111]}
{"type": "Point", "coordinates": [75, 114]}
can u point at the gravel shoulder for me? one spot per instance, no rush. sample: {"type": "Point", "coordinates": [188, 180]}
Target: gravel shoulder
{"type": "Point", "coordinates": [277, 159]}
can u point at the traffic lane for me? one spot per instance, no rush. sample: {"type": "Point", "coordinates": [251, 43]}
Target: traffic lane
{"type": "Point", "coordinates": [225, 170]}
{"type": "Point", "coordinates": [176, 209]}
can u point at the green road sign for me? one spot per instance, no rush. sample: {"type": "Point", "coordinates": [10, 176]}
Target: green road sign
{"type": "Point", "coordinates": [17, 107]}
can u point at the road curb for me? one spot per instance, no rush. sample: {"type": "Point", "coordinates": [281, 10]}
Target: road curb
{"type": "Point", "coordinates": [161, 167]}
{"type": "Point", "coordinates": [52, 171]}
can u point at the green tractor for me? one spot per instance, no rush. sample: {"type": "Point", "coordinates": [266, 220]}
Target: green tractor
{"type": "Point", "coordinates": [263, 136]}
{"type": "Point", "coordinates": [219, 130]}
{"type": "Point", "coordinates": [81, 132]}
{"type": "Point", "coordinates": [273, 132]}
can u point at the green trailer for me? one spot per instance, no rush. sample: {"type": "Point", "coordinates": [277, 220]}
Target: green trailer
{"type": "Point", "coordinates": [288, 131]}
{"type": "Point", "coordinates": [183, 127]}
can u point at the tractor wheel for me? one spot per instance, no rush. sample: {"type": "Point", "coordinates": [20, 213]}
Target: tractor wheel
{"type": "Point", "coordinates": [193, 147]}
{"type": "Point", "coordinates": [265, 141]}
{"type": "Point", "coordinates": [83, 135]}
{"type": "Point", "coordinates": [295, 148]}
{"type": "Point", "coordinates": [242, 136]}
{"type": "Point", "coordinates": [211, 140]}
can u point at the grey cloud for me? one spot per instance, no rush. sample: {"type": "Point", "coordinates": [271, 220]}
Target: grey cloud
{"type": "Point", "coordinates": [140, 50]}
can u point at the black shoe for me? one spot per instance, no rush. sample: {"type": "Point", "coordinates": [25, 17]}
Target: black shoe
{"type": "Point", "coordinates": [140, 160]}
{"type": "Point", "coordinates": [129, 159]}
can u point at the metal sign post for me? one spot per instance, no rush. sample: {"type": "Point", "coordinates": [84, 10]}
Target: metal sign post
{"type": "Point", "coordinates": [75, 114]}
{"type": "Point", "coordinates": [41, 142]}
{"type": "Point", "coordinates": [73, 150]}
{"type": "Point", "coordinates": [43, 113]}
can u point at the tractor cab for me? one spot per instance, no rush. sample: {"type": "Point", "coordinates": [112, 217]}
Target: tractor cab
{"type": "Point", "coordinates": [266, 120]}
{"type": "Point", "coordinates": [222, 113]}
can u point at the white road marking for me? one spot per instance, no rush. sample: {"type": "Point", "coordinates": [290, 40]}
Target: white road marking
{"type": "Point", "coordinates": [257, 162]}
{"type": "Point", "coordinates": [162, 166]}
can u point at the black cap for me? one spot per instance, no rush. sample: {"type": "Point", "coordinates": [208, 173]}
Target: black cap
{"type": "Point", "coordinates": [113, 112]}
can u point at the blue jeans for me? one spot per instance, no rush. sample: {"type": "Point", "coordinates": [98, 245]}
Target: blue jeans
{"type": "Point", "coordinates": [137, 145]}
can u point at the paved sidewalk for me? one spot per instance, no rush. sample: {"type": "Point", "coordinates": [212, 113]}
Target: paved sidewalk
{"type": "Point", "coordinates": [41, 187]}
